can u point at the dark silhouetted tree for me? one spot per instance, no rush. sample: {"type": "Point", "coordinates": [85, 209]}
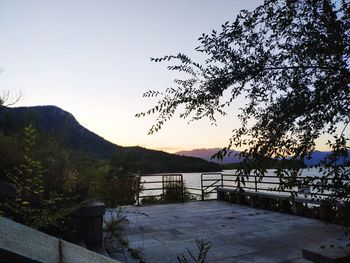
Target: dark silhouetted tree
{"type": "Point", "coordinates": [290, 60]}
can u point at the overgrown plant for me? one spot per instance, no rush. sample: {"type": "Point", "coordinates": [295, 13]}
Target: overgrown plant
{"type": "Point", "coordinates": [117, 222]}
{"type": "Point", "coordinates": [173, 189]}
{"type": "Point", "coordinates": [137, 253]}
{"type": "Point", "coordinates": [33, 205]}
{"type": "Point", "coordinates": [122, 187]}
{"type": "Point", "coordinates": [203, 249]}
{"type": "Point", "coordinates": [115, 227]}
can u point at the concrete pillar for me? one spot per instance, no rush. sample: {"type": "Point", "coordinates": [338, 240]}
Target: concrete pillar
{"type": "Point", "coordinates": [89, 217]}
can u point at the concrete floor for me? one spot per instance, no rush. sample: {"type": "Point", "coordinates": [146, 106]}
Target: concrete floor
{"type": "Point", "coordinates": [237, 233]}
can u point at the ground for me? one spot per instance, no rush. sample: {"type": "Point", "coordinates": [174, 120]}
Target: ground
{"type": "Point", "coordinates": [237, 233]}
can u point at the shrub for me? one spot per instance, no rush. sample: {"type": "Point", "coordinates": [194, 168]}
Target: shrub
{"type": "Point", "coordinates": [33, 205]}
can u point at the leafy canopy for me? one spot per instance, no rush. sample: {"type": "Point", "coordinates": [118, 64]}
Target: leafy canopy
{"type": "Point", "coordinates": [289, 58]}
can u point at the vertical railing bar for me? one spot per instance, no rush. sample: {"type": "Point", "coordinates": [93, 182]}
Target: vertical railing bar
{"type": "Point", "coordinates": [163, 186]}
{"type": "Point", "coordinates": [138, 189]}
{"type": "Point", "coordinates": [182, 190]}
{"type": "Point", "coordinates": [256, 184]}
{"type": "Point", "coordinates": [202, 187]}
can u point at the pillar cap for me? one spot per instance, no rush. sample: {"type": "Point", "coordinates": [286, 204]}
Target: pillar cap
{"type": "Point", "coordinates": [90, 208]}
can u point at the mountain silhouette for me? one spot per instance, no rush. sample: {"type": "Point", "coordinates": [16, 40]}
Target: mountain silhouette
{"type": "Point", "coordinates": [206, 154]}
{"type": "Point", "coordinates": [61, 125]}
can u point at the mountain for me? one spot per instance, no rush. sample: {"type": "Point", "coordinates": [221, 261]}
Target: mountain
{"type": "Point", "coordinates": [318, 156]}
{"type": "Point", "coordinates": [63, 127]}
{"type": "Point", "coordinates": [206, 154]}
{"type": "Point", "coordinates": [60, 124]}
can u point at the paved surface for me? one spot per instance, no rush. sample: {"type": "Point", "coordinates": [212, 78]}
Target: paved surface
{"type": "Point", "coordinates": [237, 233]}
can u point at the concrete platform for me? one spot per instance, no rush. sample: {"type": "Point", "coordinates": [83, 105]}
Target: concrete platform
{"type": "Point", "coordinates": [237, 233]}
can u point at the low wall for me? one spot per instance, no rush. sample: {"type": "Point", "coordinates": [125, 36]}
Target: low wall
{"type": "Point", "coordinates": [19, 243]}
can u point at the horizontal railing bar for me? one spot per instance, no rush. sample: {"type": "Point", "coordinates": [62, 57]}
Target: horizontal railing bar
{"type": "Point", "coordinates": [211, 180]}
{"type": "Point", "coordinates": [227, 180]}
{"type": "Point", "coordinates": [284, 191]}
{"type": "Point", "coordinates": [277, 183]}
{"type": "Point", "coordinates": [149, 196]}
{"type": "Point", "coordinates": [158, 182]}
{"type": "Point", "coordinates": [163, 174]}
{"type": "Point", "coordinates": [274, 176]}
{"type": "Point", "coordinates": [152, 189]}
{"type": "Point", "coordinates": [191, 188]}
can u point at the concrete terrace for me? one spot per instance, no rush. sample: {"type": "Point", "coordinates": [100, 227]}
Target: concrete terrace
{"type": "Point", "coordinates": [237, 233]}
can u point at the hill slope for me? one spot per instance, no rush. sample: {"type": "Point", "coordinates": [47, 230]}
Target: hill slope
{"type": "Point", "coordinates": [62, 125]}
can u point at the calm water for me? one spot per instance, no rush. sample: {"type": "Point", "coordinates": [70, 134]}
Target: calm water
{"type": "Point", "coordinates": [193, 180]}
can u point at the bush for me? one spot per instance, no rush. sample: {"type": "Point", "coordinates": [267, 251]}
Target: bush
{"type": "Point", "coordinates": [173, 191]}
{"type": "Point", "coordinates": [33, 205]}
{"type": "Point", "coordinates": [122, 190]}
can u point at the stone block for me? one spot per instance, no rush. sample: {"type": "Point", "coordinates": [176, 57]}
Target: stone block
{"type": "Point", "coordinates": [28, 243]}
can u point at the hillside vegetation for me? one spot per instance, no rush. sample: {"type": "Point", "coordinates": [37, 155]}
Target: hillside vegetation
{"type": "Point", "coordinates": [60, 127]}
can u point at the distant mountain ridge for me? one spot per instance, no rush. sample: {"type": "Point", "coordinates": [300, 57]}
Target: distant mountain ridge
{"type": "Point", "coordinates": [206, 154]}
{"type": "Point", "coordinates": [318, 156]}
{"type": "Point", "coordinates": [62, 125]}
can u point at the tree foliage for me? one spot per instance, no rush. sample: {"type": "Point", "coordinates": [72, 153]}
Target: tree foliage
{"type": "Point", "coordinates": [290, 60]}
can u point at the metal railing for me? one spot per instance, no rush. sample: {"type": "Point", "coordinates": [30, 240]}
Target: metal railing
{"type": "Point", "coordinates": [209, 183]}
{"type": "Point", "coordinates": [165, 186]}
{"type": "Point", "coordinates": [162, 186]}
{"type": "Point", "coordinates": [304, 185]}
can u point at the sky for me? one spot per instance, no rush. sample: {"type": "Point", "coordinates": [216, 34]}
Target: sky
{"type": "Point", "coordinates": [92, 58]}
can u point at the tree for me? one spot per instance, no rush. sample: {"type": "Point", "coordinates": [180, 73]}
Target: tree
{"type": "Point", "coordinates": [6, 100]}
{"type": "Point", "coordinates": [290, 60]}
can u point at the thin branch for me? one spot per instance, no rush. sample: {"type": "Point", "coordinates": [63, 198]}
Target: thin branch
{"type": "Point", "coordinates": [346, 125]}
{"type": "Point", "coordinates": [5, 99]}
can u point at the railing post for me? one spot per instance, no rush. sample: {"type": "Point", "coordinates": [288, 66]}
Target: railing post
{"type": "Point", "coordinates": [138, 189]}
{"type": "Point", "coordinates": [222, 180]}
{"type": "Point", "coordinates": [182, 188]}
{"type": "Point", "coordinates": [202, 187]}
{"type": "Point", "coordinates": [162, 186]}
{"type": "Point", "coordinates": [256, 184]}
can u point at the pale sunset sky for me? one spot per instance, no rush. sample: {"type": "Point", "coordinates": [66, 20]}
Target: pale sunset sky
{"type": "Point", "coordinates": [92, 58]}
